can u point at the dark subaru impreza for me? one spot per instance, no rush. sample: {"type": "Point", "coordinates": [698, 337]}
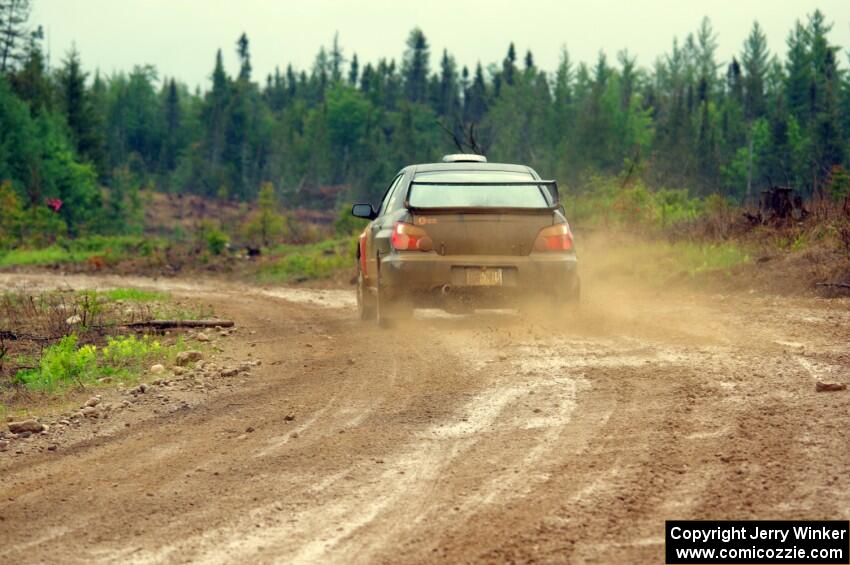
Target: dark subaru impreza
{"type": "Point", "coordinates": [461, 234]}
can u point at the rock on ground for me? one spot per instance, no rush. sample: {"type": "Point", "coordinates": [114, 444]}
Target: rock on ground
{"type": "Point", "coordinates": [186, 357]}
{"type": "Point", "coordinates": [32, 426]}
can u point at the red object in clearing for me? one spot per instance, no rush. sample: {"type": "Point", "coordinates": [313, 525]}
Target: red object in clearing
{"type": "Point", "coordinates": [53, 203]}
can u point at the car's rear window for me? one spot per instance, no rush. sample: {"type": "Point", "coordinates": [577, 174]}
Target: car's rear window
{"type": "Point", "coordinates": [473, 196]}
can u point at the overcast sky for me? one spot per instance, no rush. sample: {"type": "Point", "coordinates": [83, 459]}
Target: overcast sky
{"type": "Point", "coordinates": [180, 37]}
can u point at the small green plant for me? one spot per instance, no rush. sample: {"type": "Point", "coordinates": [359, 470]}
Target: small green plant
{"type": "Point", "coordinates": [128, 351]}
{"type": "Point", "coordinates": [61, 364]}
{"type": "Point", "coordinates": [210, 239]}
{"type": "Point", "coordinates": [266, 225]}
{"type": "Point", "coordinates": [90, 307]}
{"type": "Point", "coordinates": [217, 241]}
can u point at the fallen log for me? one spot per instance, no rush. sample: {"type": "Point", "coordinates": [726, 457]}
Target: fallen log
{"type": "Point", "coordinates": [167, 324]}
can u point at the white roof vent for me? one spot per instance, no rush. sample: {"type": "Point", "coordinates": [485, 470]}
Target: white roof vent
{"type": "Point", "coordinates": [464, 158]}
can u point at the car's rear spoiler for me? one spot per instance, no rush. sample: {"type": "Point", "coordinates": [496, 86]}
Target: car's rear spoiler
{"type": "Point", "coordinates": [551, 185]}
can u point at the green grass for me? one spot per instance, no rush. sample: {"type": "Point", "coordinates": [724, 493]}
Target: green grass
{"type": "Point", "coordinates": [665, 260]}
{"type": "Point", "coordinates": [67, 364]}
{"type": "Point", "coordinates": [658, 262]}
{"type": "Point", "coordinates": [133, 295]}
{"type": "Point", "coordinates": [47, 256]}
{"type": "Point", "coordinates": [80, 250]}
{"type": "Point", "coordinates": [311, 261]}
{"type": "Point", "coordinates": [158, 304]}
{"type": "Point", "coordinates": [697, 258]}
{"type": "Point", "coordinates": [61, 364]}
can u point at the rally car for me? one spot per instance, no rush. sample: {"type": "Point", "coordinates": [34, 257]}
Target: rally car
{"type": "Point", "coordinates": [464, 234]}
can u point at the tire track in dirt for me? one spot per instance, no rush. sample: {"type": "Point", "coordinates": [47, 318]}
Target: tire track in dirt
{"type": "Point", "coordinates": [489, 438]}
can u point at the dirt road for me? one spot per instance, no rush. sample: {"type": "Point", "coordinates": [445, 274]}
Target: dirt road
{"type": "Point", "coordinates": [483, 439]}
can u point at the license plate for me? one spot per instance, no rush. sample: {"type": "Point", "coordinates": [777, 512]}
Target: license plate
{"type": "Point", "coordinates": [484, 277]}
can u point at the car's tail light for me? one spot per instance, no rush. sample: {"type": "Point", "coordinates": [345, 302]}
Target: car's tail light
{"type": "Point", "coordinates": [407, 237]}
{"type": "Point", "coordinates": [554, 238]}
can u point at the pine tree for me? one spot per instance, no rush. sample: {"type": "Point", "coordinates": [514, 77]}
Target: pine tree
{"type": "Point", "coordinates": [213, 120]}
{"type": "Point", "coordinates": [529, 61]}
{"type": "Point", "coordinates": [370, 82]}
{"type": "Point", "coordinates": [267, 225]}
{"type": "Point", "coordinates": [706, 48]}
{"type": "Point", "coordinates": [171, 128]}
{"type": "Point", "coordinates": [353, 71]}
{"type": "Point", "coordinates": [291, 83]}
{"type": "Point", "coordinates": [336, 60]}
{"type": "Point", "coordinates": [31, 82]}
{"type": "Point", "coordinates": [509, 65]}
{"type": "Point", "coordinates": [447, 104]}
{"type": "Point", "coordinates": [14, 15]}
{"type": "Point", "coordinates": [755, 60]}
{"type": "Point", "coordinates": [475, 105]}
{"type": "Point", "coordinates": [564, 79]}
{"type": "Point", "coordinates": [464, 90]}
{"type": "Point", "coordinates": [828, 149]}
{"type": "Point", "coordinates": [628, 78]}
{"type": "Point", "coordinates": [798, 70]}
{"type": "Point", "coordinates": [243, 52]}
{"type": "Point", "coordinates": [733, 127]}
{"type": "Point", "coordinates": [79, 112]}
{"type": "Point", "coordinates": [706, 142]}
{"type": "Point", "coordinates": [415, 67]}
{"type": "Point", "coordinates": [320, 76]}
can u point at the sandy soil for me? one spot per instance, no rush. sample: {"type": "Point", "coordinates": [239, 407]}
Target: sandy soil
{"type": "Point", "coordinates": [487, 438]}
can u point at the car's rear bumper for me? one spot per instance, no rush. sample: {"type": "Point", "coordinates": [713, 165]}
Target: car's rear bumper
{"type": "Point", "coordinates": [417, 272]}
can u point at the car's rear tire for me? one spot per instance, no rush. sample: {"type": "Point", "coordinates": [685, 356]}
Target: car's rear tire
{"type": "Point", "coordinates": [366, 303]}
{"type": "Point", "coordinates": [390, 308]}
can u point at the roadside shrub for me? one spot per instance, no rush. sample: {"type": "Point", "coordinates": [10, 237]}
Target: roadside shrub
{"type": "Point", "coordinates": [604, 202]}
{"type": "Point", "coordinates": [61, 364]}
{"type": "Point", "coordinates": [635, 208]}
{"type": "Point", "coordinates": [266, 225]}
{"type": "Point", "coordinates": [128, 351]}
{"type": "Point", "coordinates": [675, 206]}
{"type": "Point", "coordinates": [210, 238]}
{"type": "Point", "coordinates": [217, 241]}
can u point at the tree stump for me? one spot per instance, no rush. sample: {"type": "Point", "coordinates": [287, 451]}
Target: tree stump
{"type": "Point", "coordinates": [780, 204]}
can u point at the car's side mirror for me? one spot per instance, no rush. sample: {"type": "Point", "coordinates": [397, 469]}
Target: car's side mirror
{"type": "Point", "coordinates": [363, 211]}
